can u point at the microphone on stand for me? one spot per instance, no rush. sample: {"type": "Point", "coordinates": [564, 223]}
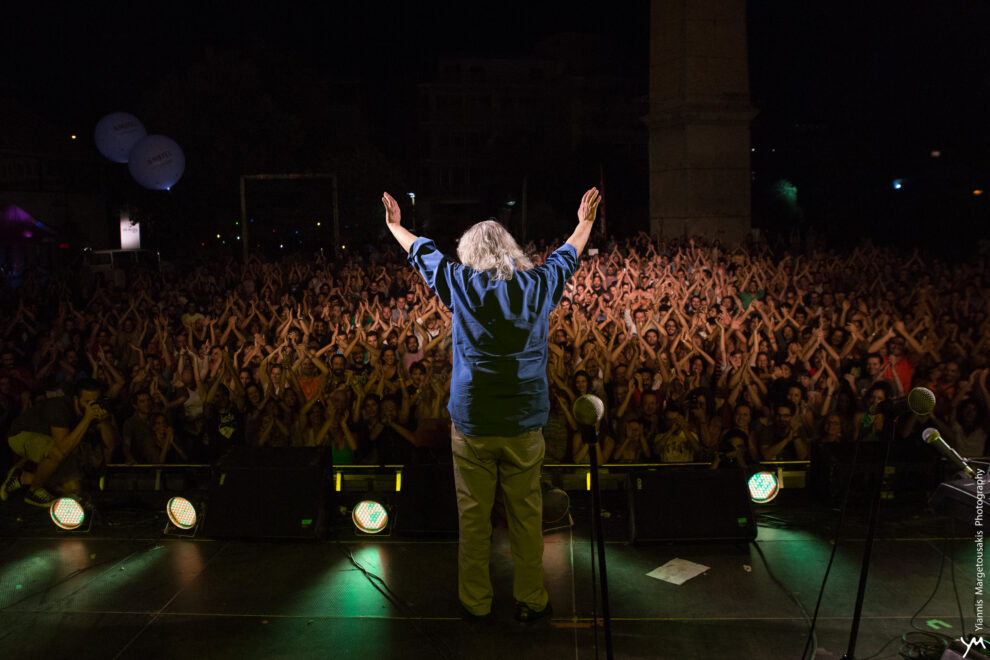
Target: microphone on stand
{"type": "Point", "coordinates": [932, 437]}
{"type": "Point", "coordinates": [919, 401]}
{"type": "Point", "coordinates": [588, 409]}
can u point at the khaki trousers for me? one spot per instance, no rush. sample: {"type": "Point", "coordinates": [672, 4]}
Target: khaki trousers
{"type": "Point", "coordinates": [481, 464]}
{"type": "Point", "coordinates": [31, 445]}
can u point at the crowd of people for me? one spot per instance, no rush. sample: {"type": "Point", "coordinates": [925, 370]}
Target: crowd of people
{"type": "Point", "coordinates": [701, 354]}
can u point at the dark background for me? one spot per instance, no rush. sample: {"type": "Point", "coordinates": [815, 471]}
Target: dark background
{"type": "Point", "coordinates": [851, 96]}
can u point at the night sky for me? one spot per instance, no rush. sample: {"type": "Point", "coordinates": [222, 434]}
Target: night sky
{"type": "Point", "coordinates": [881, 86]}
{"type": "Point", "coordinates": [76, 62]}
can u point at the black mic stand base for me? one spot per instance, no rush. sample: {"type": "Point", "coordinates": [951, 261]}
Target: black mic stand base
{"type": "Point", "coordinates": [590, 437]}
{"type": "Point", "coordinates": [864, 570]}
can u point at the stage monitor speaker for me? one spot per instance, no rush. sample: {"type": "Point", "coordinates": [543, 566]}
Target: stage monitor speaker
{"type": "Point", "coordinates": [689, 504]}
{"type": "Point", "coordinates": [427, 503]}
{"type": "Point", "coordinates": [910, 474]}
{"type": "Point", "coordinates": [269, 492]}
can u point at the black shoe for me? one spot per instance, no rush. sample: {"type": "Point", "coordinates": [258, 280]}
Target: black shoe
{"type": "Point", "coordinates": [40, 498]}
{"type": "Point", "coordinates": [11, 484]}
{"type": "Point", "coordinates": [526, 615]}
{"type": "Point", "coordinates": [476, 618]}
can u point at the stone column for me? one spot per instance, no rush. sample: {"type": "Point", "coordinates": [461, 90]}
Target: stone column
{"type": "Point", "coordinates": [699, 120]}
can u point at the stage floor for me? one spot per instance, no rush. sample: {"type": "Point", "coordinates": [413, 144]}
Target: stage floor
{"type": "Point", "coordinates": [126, 592]}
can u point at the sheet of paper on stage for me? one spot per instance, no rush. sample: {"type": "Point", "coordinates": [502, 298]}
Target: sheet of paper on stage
{"type": "Point", "coordinates": [678, 571]}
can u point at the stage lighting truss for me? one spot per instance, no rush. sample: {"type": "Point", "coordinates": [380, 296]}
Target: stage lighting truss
{"type": "Point", "coordinates": [183, 517]}
{"type": "Point", "coordinates": [67, 513]}
{"type": "Point", "coordinates": [370, 518]}
{"type": "Point", "coordinates": [763, 487]}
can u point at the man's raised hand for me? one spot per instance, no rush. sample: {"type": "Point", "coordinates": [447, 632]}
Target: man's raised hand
{"type": "Point", "coordinates": [393, 220]}
{"type": "Point", "coordinates": [392, 213]}
{"type": "Point", "coordinates": [589, 205]}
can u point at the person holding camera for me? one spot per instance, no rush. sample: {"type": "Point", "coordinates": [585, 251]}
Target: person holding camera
{"type": "Point", "coordinates": [703, 422]}
{"type": "Point", "coordinates": [785, 442]}
{"type": "Point", "coordinates": [46, 434]}
{"type": "Point", "coordinates": [732, 449]}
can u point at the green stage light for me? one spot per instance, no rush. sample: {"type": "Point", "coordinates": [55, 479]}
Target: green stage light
{"type": "Point", "coordinates": [369, 517]}
{"type": "Point", "coordinates": [67, 513]}
{"type": "Point", "coordinates": [181, 513]}
{"type": "Point", "coordinates": [763, 487]}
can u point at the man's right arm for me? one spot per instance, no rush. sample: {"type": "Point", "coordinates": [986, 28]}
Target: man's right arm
{"type": "Point", "coordinates": [437, 271]}
{"type": "Point", "coordinates": [65, 440]}
{"type": "Point", "coordinates": [586, 220]}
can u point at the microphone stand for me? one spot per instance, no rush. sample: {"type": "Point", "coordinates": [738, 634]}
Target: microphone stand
{"type": "Point", "coordinates": [864, 570]}
{"type": "Point", "coordinates": [590, 437]}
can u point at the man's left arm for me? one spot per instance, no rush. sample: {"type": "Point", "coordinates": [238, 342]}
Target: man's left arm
{"type": "Point", "coordinates": [108, 433]}
{"type": "Point", "coordinates": [393, 220]}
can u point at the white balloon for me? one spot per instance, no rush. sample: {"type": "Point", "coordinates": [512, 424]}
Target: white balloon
{"type": "Point", "coordinates": [157, 162]}
{"type": "Point", "coordinates": [116, 134]}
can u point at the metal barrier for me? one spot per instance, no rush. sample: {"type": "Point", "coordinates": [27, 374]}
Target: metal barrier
{"type": "Point", "coordinates": [158, 470]}
{"type": "Point", "coordinates": [568, 476]}
{"type": "Point", "coordinates": [790, 474]}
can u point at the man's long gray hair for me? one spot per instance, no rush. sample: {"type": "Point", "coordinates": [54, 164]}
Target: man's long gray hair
{"type": "Point", "coordinates": [489, 247]}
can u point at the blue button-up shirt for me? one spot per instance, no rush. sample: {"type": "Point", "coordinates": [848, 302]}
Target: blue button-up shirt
{"type": "Point", "coordinates": [499, 382]}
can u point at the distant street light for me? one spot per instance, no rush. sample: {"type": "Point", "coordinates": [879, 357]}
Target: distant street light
{"type": "Point", "coordinates": [412, 200]}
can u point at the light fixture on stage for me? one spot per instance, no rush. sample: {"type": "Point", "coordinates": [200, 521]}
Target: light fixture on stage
{"type": "Point", "coordinates": [67, 513]}
{"type": "Point", "coordinates": [556, 504]}
{"type": "Point", "coordinates": [763, 487]}
{"type": "Point", "coordinates": [181, 513]}
{"type": "Point", "coordinates": [369, 517]}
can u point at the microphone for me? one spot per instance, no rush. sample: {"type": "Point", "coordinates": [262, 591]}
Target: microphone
{"type": "Point", "coordinates": [588, 409]}
{"type": "Point", "coordinates": [931, 436]}
{"type": "Point", "coordinates": [919, 401]}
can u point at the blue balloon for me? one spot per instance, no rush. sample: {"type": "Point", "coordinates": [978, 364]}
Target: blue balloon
{"type": "Point", "coordinates": [157, 162]}
{"type": "Point", "coordinates": [116, 134]}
